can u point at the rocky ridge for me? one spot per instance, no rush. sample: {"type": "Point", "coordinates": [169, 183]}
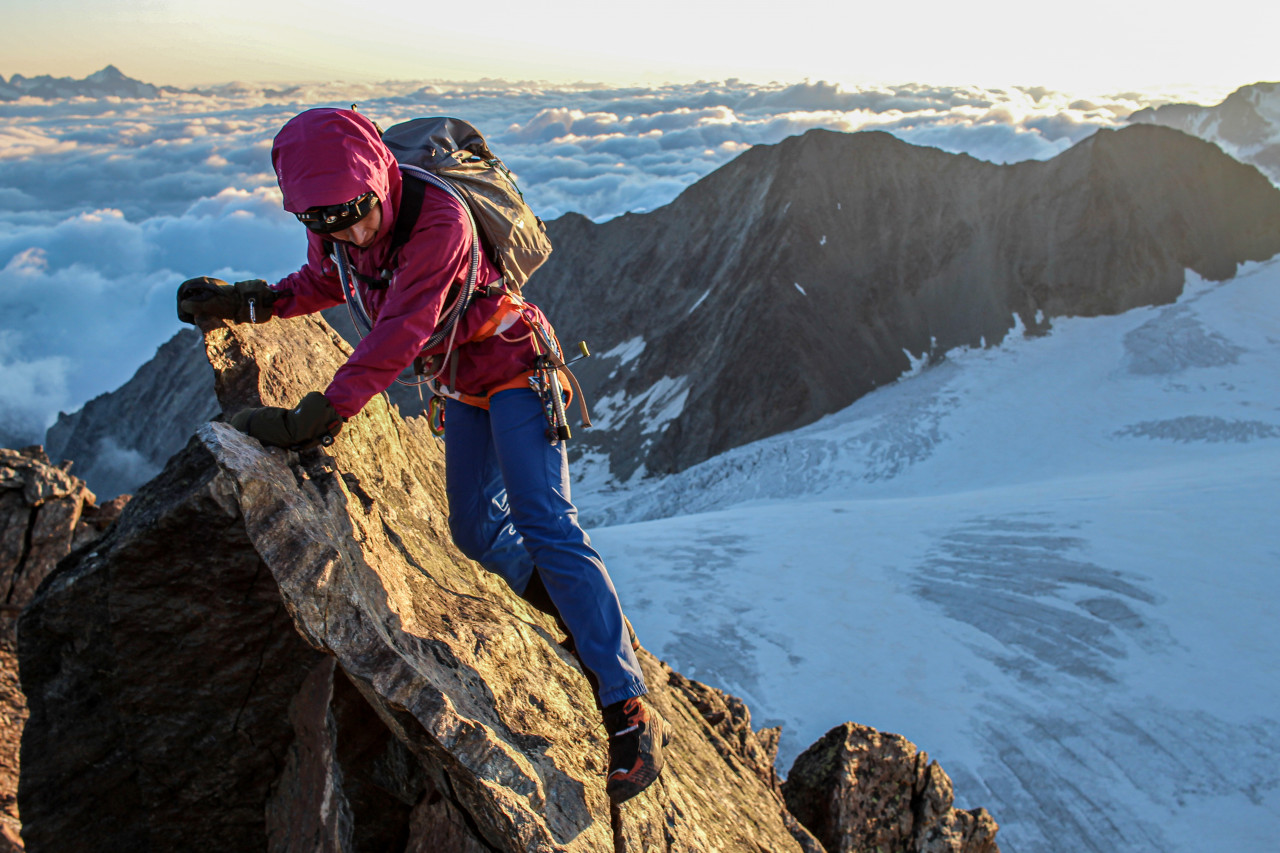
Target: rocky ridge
{"type": "Point", "coordinates": [285, 650]}
{"type": "Point", "coordinates": [800, 276]}
{"type": "Point", "coordinates": [45, 513]}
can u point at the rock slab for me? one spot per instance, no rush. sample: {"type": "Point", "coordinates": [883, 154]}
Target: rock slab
{"type": "Point", "coordinates": [283, 650]}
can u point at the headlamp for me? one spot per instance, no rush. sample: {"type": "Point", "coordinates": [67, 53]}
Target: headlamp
{"type": "Point", "coordinates": [328, 219]}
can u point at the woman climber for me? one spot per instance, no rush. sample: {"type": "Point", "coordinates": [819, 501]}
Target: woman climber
{"type": "Point", "coordinates": [507, 484]}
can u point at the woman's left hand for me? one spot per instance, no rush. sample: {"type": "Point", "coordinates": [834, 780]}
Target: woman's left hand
{"type": "Point", "coordinates": [308, 424]}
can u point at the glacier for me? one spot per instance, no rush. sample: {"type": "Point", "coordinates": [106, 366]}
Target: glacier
{"type": "Point", "coordinates": [1051, 563]}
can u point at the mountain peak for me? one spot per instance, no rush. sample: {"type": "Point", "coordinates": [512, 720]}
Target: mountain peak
{"type": "Point", "coordinates": [1246, 124]}
{"type": "Point", "coordinates": [108, 74]}
{"type": "Point", "coordinates": [798, 277]}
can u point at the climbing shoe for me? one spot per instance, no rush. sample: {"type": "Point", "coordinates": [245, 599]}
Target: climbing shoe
{"type": "Point", "coordinates": [637, 735]}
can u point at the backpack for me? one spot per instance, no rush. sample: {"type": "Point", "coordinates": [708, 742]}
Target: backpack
{"type": "Point", "coordinates": [450, 154]}
{"type": "Point", "coordinates": [453, 150]}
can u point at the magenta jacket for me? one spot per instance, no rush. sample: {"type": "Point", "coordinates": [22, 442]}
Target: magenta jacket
{"type": "Point", "coordinates": [330, 156]}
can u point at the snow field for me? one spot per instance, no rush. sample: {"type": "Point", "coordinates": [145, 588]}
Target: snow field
{"type": "Point", "coordinates": [1051, 564]}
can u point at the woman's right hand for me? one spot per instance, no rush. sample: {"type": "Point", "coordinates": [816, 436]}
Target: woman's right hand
{"type": "Point", "coordinates": [207, 297]}
{"type": "Point", "coordinates": [243, 302]}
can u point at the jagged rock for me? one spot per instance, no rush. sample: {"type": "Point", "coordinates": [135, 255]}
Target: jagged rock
{"type": "Point", "coordinates": [283, 650]}
{"type": "Point", "coordinates": [45, 513]}
{"type": "Point", "coordinates": [158, 669]}
{"type": "Point", "coordinates": [858, 789]}
{"type": "Point", "coordinates": [13, 716]}
{"type": "Point", "coordinates": [729, 724]}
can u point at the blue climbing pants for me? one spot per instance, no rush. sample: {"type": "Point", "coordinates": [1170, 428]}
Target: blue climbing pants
{"type": "Point", "coordinates": [509, 510]}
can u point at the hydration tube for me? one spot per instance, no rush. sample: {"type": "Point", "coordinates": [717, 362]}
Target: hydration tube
{"type": "Point", "coordinates": [355, 306]}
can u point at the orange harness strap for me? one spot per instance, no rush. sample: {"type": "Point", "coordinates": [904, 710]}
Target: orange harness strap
{"type": "Point", "coordinates": [510, 311]}
{"type": "Point", "coordinates": [521, 381]}
{"type": "Point", "coordinates": [506, 315]}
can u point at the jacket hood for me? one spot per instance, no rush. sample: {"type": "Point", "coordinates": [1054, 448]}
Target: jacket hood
{"type": "Point", "coordinates": [330, 156]}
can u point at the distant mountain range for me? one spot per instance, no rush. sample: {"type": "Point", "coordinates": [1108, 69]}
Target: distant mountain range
{"type": "Point", "coordinates": [803, 275]}
{"type": "Point", "coordinates": [1246, 124]}
{"type": "Point", "coordinates": [109, 82]}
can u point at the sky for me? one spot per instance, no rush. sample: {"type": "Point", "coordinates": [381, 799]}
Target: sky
{"type": "Point", "coordinates": [1088, 44]}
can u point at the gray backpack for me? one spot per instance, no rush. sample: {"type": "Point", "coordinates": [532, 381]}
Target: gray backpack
{"type": "Point", "coordinates": [453, 151]}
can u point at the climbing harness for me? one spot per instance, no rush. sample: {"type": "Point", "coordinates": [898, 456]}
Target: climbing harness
{"type": "Point", "coordinates": [516, 242]}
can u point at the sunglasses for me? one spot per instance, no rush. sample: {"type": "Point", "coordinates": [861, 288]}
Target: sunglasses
{"type": "Point", "coordinates": [337, 217]}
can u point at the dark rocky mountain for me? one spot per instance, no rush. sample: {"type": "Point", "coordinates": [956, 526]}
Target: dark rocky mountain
{"type": "Point", "coordinates": [797, 278]}
{"type": "Point", "coordinates": [121, 439]}
{"type": "Point", "coordinates": [1246, 123]}
{"type": "Point", "coordinates": [800, 276]}
{"type": "Point", "coordinates": [284, 651]}
{"type": "Point", "coordinates": [108, 82]}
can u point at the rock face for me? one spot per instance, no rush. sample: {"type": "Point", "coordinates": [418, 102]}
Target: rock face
{"type": "Point", "coordinates": [858, 790]}
{"type": "Point", "coordinates": [285, 651]}
{"type": "Point", "coordinates": [45, 513]}
{"type": "Point", "coordinates": [121, 439]}
{"type": "Point", "coordinates": [797, 278]}
{"type": "Point", "coordinates": [172, 395]}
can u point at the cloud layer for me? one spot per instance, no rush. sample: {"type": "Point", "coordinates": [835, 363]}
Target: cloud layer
{"type": "Point", "coordinates": [106, 204]}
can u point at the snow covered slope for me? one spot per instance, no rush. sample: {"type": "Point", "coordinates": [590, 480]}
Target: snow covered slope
{"type": "Point", "coordinates": [1052, 564]}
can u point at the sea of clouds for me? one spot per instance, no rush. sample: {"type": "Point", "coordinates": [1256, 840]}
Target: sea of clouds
{"type": "Point", "coordinates": [107, 204]}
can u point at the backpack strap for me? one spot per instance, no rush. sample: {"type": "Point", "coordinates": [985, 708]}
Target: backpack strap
{"type": "Point", "coordinates": [412, 189]}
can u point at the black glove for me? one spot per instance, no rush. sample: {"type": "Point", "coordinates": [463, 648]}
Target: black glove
{"type": "Point", "coordinates": [256, 299]}
{"type": "Point", "coordinates": [206, 296]}
{"type": "Point", "coordinates": [243, 302]}
{"type": "Point", "coordinates": [301, 428]}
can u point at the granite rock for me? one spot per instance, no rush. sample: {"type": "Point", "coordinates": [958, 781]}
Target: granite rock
{"type": "Point", "coordinates": [859, 790]}
{"type": "Point", "coordinates": [285, 650]}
